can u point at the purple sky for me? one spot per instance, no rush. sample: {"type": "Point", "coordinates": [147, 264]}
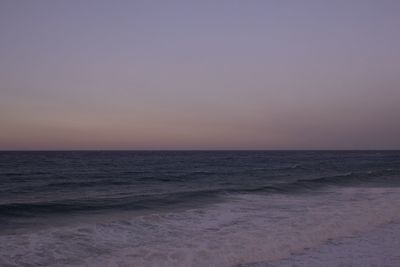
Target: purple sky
{"type": "Point", "coordinates": [79, 74]}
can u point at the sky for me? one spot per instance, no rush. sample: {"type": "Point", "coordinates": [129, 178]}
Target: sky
{"type": "Point", "coordinates": [273, 74]}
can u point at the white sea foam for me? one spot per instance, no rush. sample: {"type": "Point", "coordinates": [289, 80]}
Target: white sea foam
{"type": "Point", "coordinates": [243, 229]}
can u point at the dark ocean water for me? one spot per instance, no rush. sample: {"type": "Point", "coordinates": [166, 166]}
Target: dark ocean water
{"type": "Point", "coordinates": [142, 208]}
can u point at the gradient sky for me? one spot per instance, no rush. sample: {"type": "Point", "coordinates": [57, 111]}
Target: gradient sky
{"type": "Point", "coordinates": [276, 74]}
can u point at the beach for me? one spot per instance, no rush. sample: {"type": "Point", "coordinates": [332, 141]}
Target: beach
{"type": "Point", "coordinates": [379, 247]}
{"type": "Point", "coordinates": [199, 133]}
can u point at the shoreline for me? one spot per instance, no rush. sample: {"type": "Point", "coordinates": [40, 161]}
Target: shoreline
{"type": "Point", "coordinates": [379, 247]}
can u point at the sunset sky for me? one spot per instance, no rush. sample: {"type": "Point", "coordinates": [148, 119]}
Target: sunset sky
{"type": "Point", "coordinates": [199, 74]}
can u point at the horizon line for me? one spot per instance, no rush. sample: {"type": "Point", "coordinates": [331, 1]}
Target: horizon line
{"type": "Point", "coordinates": [185, 150]}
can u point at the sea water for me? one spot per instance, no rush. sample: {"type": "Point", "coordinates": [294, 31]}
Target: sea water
{"type": "Point", "coordinates": [188, 208]}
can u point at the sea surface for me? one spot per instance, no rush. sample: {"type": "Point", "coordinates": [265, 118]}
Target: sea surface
{"type": "Point", "coordinates": [188, 208]}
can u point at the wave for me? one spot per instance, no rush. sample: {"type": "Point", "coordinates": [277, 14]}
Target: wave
{"type": "Point", "coordinates": [247, 229]}
{"type": "Point", "coordinates": [156, 201]}
{"type": "Point", "coordinates": [137, 202]}
{"type": "Point", "coordinates": [386, 178]}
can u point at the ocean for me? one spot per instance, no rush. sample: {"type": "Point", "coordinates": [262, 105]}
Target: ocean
{"type": "Point", "coordinates": [188, 208]}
